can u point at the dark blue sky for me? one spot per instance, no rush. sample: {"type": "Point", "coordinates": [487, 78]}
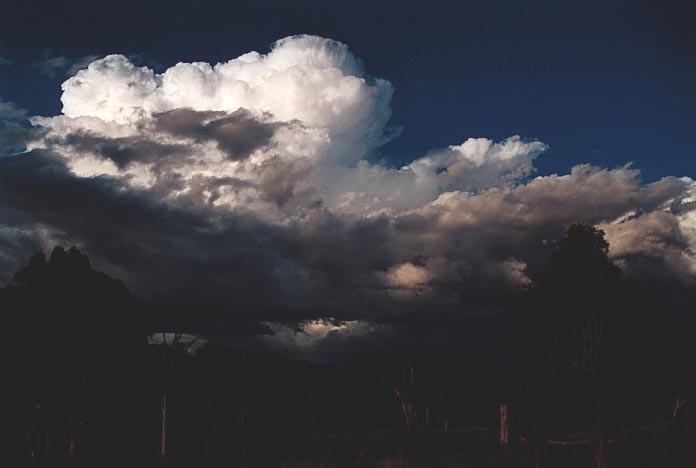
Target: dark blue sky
{"type": "Point", "coordinates": [600, 82]}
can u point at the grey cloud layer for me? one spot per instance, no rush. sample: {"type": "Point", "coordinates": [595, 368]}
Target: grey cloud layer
{"type": "Point", "coordinates": [237, 133]}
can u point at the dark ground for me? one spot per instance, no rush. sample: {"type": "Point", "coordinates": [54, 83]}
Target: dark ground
{"type": "Point", "coordinates": [474, 447]}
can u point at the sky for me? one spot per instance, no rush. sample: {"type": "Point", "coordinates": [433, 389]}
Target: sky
{"type": "Point", "coordinates": [319, 177]}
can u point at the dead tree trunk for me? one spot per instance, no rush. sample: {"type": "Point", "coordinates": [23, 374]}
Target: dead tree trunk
{"type": "Point", "coordinates": [678, 403]}
{"type": "Point", "coordinates": [172, 350]}
{"type": "Point", "coordinates": [33, 431]}
{"type": "Point", "coordinates": [406, 407]}
{"type": "Point", "coordinates": [163, 439]}
{"type": "Point", "coordinates": [405, 396]}
{"type": "Point", "coordinates": [445, 414]}
{"type": "Point", "coordinates": [598, 438]}
{"type": "Point", "coordinates": [505, 415]}
{"type": "Point", "coordinates": [242, 410]}
{"type": "Point", "coordinates": [75, 424]}
{"type": "Point", "coordinates": [674, 446]}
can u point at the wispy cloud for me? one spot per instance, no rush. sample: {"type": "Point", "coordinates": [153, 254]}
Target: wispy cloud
{"type": "Point", "coordinates": [60, 66]}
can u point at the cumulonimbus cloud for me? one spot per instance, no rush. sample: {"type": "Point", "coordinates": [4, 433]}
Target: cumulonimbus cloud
{"type": "Point", "coordinates": [243, 189]}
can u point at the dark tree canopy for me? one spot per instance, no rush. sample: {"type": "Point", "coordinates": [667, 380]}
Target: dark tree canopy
{"type": "Point", "coordinates": [64, 315]}
{"type": "Point", "coordinates": [595, 336]}
{"type": "Point", "coordinates": [70, 352]}
{"type": "Point", "coordinates": [585, 312]}
{"type": "Point", "coordinates": [583, 254]}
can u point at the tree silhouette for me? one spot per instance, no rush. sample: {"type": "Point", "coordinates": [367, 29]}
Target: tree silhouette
{"type": "Point", "coordinates": [592, 327]}
{"type": "Point", "coordinates": [73, 336]}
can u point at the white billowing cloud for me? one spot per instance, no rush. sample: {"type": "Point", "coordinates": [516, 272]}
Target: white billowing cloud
{"type": "Point", "coordinates": [668, 234]}
{"type": "Point", "coordinates": [479, 163]}
{"type": "Point", "coordinates": [326, 114]}
{"type": "Point", "coordinates": [313, 80]}
{"type": "Point", "coordinates": [315, 338]}
{"type": "Point", "coordinates": [111, 89]}
{"type": "Point", "coordinates": [407, 275]}
{"type": "Point", "coordinates": [515, 272]}
{"type": "Point", "coordinates": [475, 165]}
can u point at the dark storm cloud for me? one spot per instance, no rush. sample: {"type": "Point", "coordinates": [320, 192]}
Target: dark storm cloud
{"type": "Point", "coordinates": [472, 250]}
{"type": "Point", "coordinates": [14, 129]}
{"type": "Point", "coordinates": [192, 264]}
{"type": "Point", "coordinates": [227, 273]}
{"type": "Point", "coordinates": [282, 180]}
{"type": "Point", "coordinates": [188, 257]}
{"type": "Point", "coordinates": [13, 137]}
{"type": "Point", "coordinates": [237, 133]}
{"type": "Point", "coordinates": [38, 186]}
{"type": "Point", "coordinates": [127, 150]}
{"type": "Point", "coordinates": [180, 258]}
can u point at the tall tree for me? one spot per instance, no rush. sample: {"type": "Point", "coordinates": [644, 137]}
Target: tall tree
{"type": "Point", "coordinates": [592, 327]}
